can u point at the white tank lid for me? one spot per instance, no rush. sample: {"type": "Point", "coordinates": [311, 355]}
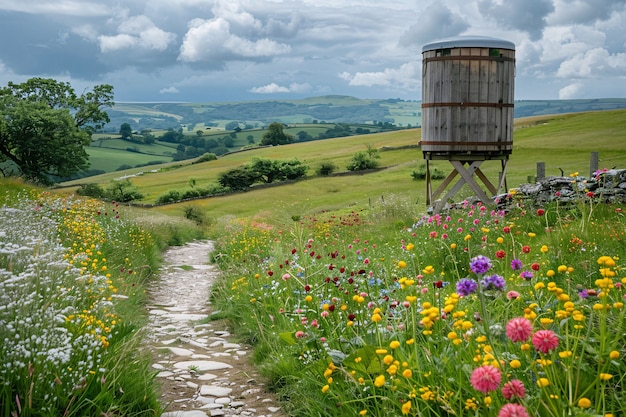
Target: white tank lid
{"type": "Point", "coordinates": [468, 42]}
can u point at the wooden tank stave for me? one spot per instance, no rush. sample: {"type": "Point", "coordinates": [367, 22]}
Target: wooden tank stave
{"type": "Point", "coordinates": [467, 101]}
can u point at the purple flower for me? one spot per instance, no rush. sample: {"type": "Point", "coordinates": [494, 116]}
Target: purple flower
{"type": "Point", "coordinates": [466, 286]}
{"type": "Point", "coordinates": [527, 275]}
{"type": "Point", "coordinates": [516, 264]}
{"type": "Point", "coordinates": [480, 264]}
{"type": "Point", "coordinates": [493, 282]}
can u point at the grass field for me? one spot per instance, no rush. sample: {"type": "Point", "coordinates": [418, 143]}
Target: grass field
{"type": "Point", "coordinates": [562, 142]}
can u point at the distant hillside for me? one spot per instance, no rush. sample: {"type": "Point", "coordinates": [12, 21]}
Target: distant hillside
{"type": "Point", "coordinates": [323, 109]}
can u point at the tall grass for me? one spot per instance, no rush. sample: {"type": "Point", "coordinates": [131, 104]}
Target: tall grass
{"type": "Point", "coordinates": [360, 314]}
{"type": "Point", "coordinates": [73, 276]}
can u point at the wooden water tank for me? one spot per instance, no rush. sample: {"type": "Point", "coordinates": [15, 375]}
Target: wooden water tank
{"type": "Point", "coordinates": [467, 98]}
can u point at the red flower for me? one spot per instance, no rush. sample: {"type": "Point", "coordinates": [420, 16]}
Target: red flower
{"type": "Point", "coordinates": [513, 388]}
{"type": "Point", "coordinates": [486, 378]}
{"type": "Point", "coordinates": [512, 410]}
{"type": "Point", "coordinates": [500, 254]}
{"type": "Point", "coordinates": [519, 329]}
{"type": "Point", "coordinates": [545, 341]}
{"type": "Point", "coordinates": [506, 229]}
{"type": "Point", "coordinates": [589, 194]}
{"type": "Point", "coordinates": [535, 266]}
{"type": "Point", "coordinates": [541, 212]}
{"type": "Point", "coordinates": [526, 249]}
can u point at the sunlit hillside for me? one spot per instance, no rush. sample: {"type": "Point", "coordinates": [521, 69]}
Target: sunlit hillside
{"type": "Point", "coordinates": [563, 142]}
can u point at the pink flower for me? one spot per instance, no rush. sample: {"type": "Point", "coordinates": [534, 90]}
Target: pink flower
{"type": "Point", "coordinates": [513, 410]}
{"type": "Point", "coordinates": [545, 341]}
{"type": "Point", "coordinates": [486, 378]}
{"type": "Point", "coordinates": [512, 295]}
{"type": "Point", "coordinates": [299, 334]}
{"type": "Point", "coordinates": [519, 329]}
{"type": "Point", "coordinates": [513, 388]}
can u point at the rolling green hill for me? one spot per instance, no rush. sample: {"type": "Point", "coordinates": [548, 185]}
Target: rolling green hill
{"type": "Point", "coordinates": [562, 142]}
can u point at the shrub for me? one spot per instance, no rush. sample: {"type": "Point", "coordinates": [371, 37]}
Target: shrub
{"type": "Point", "coordinates": [123, 191]}
{"type": "Point", "coordinates": [206, 157]}
{"type": "Point", "coordinates": [325, 169]}
{"type": "Point", "coordinates": [362, 161]}
{"type": "Point", "coordinates": [171, 196]}
{"type": "Point", "coordinates": [90, 190]}
{"type": "Point", "coordinates": [420, 173]}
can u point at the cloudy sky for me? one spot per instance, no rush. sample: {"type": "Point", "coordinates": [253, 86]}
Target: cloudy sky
{"type": "Point", "coordinates": [233, 50]}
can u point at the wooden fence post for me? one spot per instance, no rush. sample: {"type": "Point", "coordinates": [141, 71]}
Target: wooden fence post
{"type": "Point", "coordinates": [541, 170]}
{"type": "Point", "coordinates": [593, 164]}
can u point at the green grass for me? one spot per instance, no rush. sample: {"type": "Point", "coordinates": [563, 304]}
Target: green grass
{"type": "Point", "coordinates": [561, 142]}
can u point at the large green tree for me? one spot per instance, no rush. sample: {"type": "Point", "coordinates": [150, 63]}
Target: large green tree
{"type": "Point", "coordinates": [45, 126]}
{"type": "Point", "coordinates": [275, 135]}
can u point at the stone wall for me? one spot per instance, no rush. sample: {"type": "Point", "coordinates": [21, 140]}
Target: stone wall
{"type": "Point", "coordinates": [606, 186]}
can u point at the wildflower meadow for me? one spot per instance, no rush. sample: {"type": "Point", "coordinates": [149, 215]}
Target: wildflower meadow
{"type": "Point", "coordinates": [72, 275]}
{"type": "Point", "coordinates": [475, 312]}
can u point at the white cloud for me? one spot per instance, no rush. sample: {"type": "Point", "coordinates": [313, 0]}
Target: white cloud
{"type": "Point", "coordinates": [207, 40]}
{"type": "Point", "coordinates": [169, 90]}
{"type": "Point", "coordinates": [137, 31]}
{"type": "Point", "coordinates": [86, 31]}
{"type": "Point", "coordinates": [273, 88]}
{"type": "Point", "coordinates": [406, 76]}
{"type": "Point", "coordinates": [570, 91]}
{"type": "Point", "coordinates": [595, 63]}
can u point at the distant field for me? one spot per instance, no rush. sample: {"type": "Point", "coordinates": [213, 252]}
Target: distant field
{"type": "Point", "coordinates": [562, 142]}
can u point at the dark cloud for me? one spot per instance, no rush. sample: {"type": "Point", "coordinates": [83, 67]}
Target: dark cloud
{"type": "Point", "coordinates": [436, 22]}
{"type": "Point", "coordinates": [524, 15]}
{"type": "Point", "coordinates": [195, 50]}
{"type": "Point", "coordinates": [45, 48]}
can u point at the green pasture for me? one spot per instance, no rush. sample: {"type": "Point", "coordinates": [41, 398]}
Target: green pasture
{"type": "Point", "coordinates": [111, 159]}
{"type": "Point", "coordinates": [562, 142]}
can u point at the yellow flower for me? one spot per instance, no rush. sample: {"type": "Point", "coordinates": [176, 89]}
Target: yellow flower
{"type": "Point", "coordinates": [543, 382]}
{"type": "Point", "coordinates": [308, 298]}
{"type": "Point", "coordinates": [453, 246]}
{"type": "Point", "coordinates": [605, 377]}
{"type": "Point", "coordinates": [325, 388]}
{"type": "Point", "coordinates": [500, 240]}
{"type": "Point", "coordinates": [401, 264]}
{"type": "Point", "coordinates": [428, 270]}
{"type": "Point", "coordinates": [410, 246]}
{"type": "Point", "coordinates": [407, 373]}
{"type": "Point", "coordinates": [379, 381]}
{"type": "Point", "coordinates": [394, 344]}
{"type": "Point", "coordinates": [467, 237]}
{"type": "Point", "coordinates": [406, 407]}
{"type": "Point", "coordinates": [584, 402]}
{"type": "Point", "coordinates": [388, 359]}
{"type": "Point", "coordinates": [614, 354]}
{"type": "Point", "coordinates": [376, 318]}
{"type": "Point", "coordinates": [515, 364]}
{"type": "Point", "coordinates": [362, 412]}
{"type": "Point", "coordinates": [544, 249]}
{"type": "Point", "coordinates": [562, 268]}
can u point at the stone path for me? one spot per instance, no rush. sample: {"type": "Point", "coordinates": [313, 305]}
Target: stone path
{"type": "Point", "coordinates": [202, 372]}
